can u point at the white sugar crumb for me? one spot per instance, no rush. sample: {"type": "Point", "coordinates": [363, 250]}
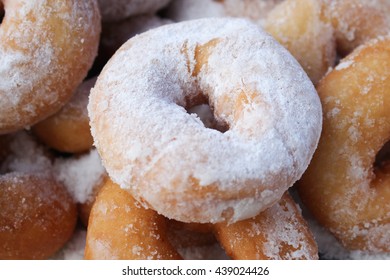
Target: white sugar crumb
{"type": "Point", "coordinates": [80, 175]}
{"type": "Point", "coordinates": [26, 155]}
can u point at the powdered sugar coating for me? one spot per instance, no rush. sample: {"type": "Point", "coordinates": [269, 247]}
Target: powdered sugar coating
{"type": "Point", "coordinates": [278, 233]}
{"type": "Point", "coordinates": [350, 195]}
{"type": "Point", "coordinates": [46, 50]}
{"type": "Point", "coordinates": [25, 155]}
{"type": "Point", "coordinates": [80, 175]}
{"type": "Point", "coordinates": [166, 157]}
{"type": "Point", "coordinates": [357, 22]}
{"type": "Point", "coordinates": [115, 10]}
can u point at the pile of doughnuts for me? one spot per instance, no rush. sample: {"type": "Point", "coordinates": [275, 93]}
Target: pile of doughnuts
{"type": "Point", "coordinates": [194, 129]}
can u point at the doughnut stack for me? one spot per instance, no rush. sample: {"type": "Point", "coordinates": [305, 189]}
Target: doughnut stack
{"type": "Point", "coordinates": [194, 129]}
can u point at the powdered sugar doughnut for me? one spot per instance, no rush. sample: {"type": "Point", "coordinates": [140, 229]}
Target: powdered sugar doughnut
{"type": "Point", "coordinates": [37, 215]}
{"type": "Point", "coordinates": [278, 233]}
{"type": "Point", "coordinates": [300, 26]}
{"type": "Point", "coordinates": [121, 228]}
{"type": "Point", "coordinates": [68, 130]}
{"type": "Point", "coordinates": [312, 30]}
{"type": "Point", "coordinates": [357, 21]}
{"type": "Point", "coordinates": [46, 48]}
{"type": "Point", "coordinates": [166, 158]}
{"type": "Point", "coordinates": [342, 188]}
{"type": "Point", "coordinates": [255, 10]}
{"type": "Point", "coordinates": [114, 10]}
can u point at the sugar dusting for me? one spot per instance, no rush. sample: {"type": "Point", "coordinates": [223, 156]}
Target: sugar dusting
{"type": "Point", "coordinates": [80, 174]}
{"type": "Point", "coordinates": [286, 231]}
{"type": "Point", "coordinates": [331, 249]}
{"type": "Point", "coordinates": [25, 155]}
{"type": "Point", "coordinates": [32, 57]}
{"type": "Point", "coordinates": [357, 22]}
{"type": "Point", "coordinates": [263, 144]}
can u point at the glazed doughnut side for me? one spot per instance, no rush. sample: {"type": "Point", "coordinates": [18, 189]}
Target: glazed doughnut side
{"type": "Point", "coordinates": [341, 187]}
{"type": "Point", "coordinates": [167, 158]}
{"type": "Point", "coordinates": [47, 47]}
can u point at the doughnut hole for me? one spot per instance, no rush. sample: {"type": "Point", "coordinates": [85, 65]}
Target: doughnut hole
{"type": "Point", "coordinates": [206, 115]}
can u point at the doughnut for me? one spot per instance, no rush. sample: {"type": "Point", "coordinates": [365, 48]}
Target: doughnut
{"type": "Point", "coordinates": [357, 21]}
{"type": "Point", "coordinates": [299, 25]}
{"type": "Point", "coordinates": [255, 10]}
{"type": "Point", "coordinates": [46, 48]}
{"type": "Point", "coordinates": [315, 30]}
{"type": "Point", "coordinates": [83, 176]}
{"type": "Point", "coordinates": [343, 187]}
{"type": "Point", "coordinates": [279, 232]}
{"type": "Point", "coordinates": [166, 157]}
{"type": "Point", "coordinates": [121, 228]}
{"type": "Point", "coordinates": [114, 34]}
{"type": "Point", "coordinates": [120, 9]}
{"type": "Point", "coordinates": [68, 130]}
{"type": "Point", "coordinates": [329, 248]}
{"type": "Point", "coordinates": [37, 216]}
